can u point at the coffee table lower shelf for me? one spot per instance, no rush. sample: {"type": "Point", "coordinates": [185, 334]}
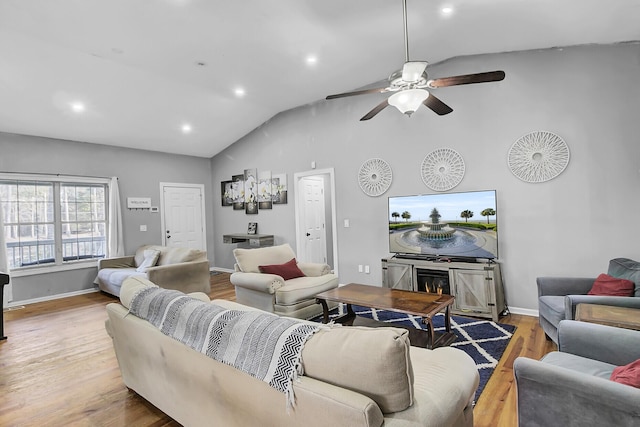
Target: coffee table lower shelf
{"type": "Point", "coordinates": [417, 337]}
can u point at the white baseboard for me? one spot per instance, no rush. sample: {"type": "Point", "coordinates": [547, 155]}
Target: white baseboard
{"type": "Point", "coordinates": [523, 311]}
{"type": "Point", "coordinates": [50, 298]}
{"type": "Point", "coordinates": [224, 270]}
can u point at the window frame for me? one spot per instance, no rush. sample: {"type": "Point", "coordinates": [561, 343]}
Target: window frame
{"type": "Point", "coordinates": [60, 264]}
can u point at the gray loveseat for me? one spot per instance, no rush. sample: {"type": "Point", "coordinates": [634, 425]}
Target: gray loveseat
{"type": "Point", "coordinates": [558, 297]}
{"type": "Point", "coordinates": [184, 269]}
{"type": "Point", "coordinates": [571, 387]}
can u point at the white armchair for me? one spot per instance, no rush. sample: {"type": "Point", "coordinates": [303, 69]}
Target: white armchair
{"type": "Point", "coordinates": [293, 297]}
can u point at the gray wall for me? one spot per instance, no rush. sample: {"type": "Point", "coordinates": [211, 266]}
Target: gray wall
{"type": "Point", "coordinates": [139, 175]}
{"type": "Point", "coordinates": [571, 225]}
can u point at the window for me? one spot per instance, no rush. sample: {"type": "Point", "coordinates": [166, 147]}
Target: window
{"type": "Point", "coordinates": [53, 222]}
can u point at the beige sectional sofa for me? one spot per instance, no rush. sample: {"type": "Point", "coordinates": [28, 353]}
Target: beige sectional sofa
{"type": "Point", "coordinates": [183, 269]}
{"type": "Point", "coordinates": [353, 376]}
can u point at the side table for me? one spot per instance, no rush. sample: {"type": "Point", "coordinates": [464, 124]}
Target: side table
{"type": "Point", "coordinates": [620, 317]}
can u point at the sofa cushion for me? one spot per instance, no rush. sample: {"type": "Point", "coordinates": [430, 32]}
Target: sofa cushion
{"type": "Point", "coordinates": [627, 374]}
{"type": "Point", "coordinates": [170, 255]}
{"type": "Point", "coordinates": [624, 268]}
{"type": "Point", "coordinates": [581, 364]}
{"type": "Point", "coordinates": [150, 259]}
{"type": "Point", "coordinates": [612, 286]}
{"type": "Point", "coordinates": [371, 361]}
{"type": "Point", "coordinates": [288, 270]}
{"type": "Point", "coordinates": [304, 288]}
{"type": "Point", "coordinates": [114, 277]}
{"type": "Point", "coordinates": [551, 307]}
{"type": "Point", "coordinates": [178, 255]}
{"type": "Point", "coordinates": [250, 260]}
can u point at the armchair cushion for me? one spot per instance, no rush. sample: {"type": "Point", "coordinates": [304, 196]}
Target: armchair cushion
{"type": "Point", "coordinates": [612, 286]}
{"type": "Point", "coordinates": [627, 374]}
{"type": "Point", "coordinates": [625, 268]}
{"type": "Point", "coordinates": [250, 260]}
{"type": "Point", "coordinates": [288, 270]}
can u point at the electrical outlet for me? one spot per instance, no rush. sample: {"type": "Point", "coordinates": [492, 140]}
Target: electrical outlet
{"type": "Point", "coordinates": [143, 228]}
{"type": "Point", "coordinates": [366, 269]}
{"type": "Point", "coordinates": [359, 268]}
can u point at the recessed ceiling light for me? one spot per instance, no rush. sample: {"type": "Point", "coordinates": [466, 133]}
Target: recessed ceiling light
{"type": "Point", "coordinates": [239, 92]}
{"type": "Point", "coordinates": [447, 10]}
{"type": "Point", "coordinates": [312, 60]}
{"type": "Point", "coordinates": [186, 128]}
{"type": "Point", "coordinates": [77, 107]}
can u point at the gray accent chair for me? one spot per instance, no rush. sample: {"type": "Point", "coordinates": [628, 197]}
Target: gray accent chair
{"type": "Point", "coordinates": [571, 387]}
{"type": "Point", "coordinates": [559, 296]}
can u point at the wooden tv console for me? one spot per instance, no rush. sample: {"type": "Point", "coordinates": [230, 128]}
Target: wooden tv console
{"type": "Point", "coordinates": [476, 286]}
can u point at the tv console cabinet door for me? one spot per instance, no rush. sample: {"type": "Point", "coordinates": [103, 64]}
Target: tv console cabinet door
{"type": "Point", "coordinates": [472, 291]}
{"type": "Point", "coordinates": [397, 276]}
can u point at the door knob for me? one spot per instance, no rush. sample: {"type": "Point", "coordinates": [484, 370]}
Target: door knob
{"type": "Point", "coordinates": [308, 234]}
{"type": "Point", "coordinates": [168, 237]}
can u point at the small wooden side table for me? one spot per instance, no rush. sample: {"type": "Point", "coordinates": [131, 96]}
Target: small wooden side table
{"type": "Point", "coordinates": [620, 317]}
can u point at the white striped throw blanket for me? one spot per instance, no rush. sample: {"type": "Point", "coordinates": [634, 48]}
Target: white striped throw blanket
{"type": "Point", "coordinates": [263, 345]}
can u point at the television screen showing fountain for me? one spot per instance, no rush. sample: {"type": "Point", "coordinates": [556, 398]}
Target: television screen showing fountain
{"type": "Point", "coordinates": [456, 225]}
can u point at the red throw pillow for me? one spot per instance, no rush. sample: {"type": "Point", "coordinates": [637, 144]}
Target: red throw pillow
{"type": "Point", "coordinates": [612, 286]}
{"type": "Point", "coordinates": [627, 374]}
{"type": "Point", "coordinates": [288, 270]}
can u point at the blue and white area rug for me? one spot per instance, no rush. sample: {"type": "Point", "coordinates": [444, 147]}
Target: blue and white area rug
{"type": "Point", "coordinates": [485, 341]}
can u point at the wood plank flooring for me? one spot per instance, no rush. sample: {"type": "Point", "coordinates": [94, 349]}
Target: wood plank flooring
{"type": "Point", "coordinates": [58, 368]}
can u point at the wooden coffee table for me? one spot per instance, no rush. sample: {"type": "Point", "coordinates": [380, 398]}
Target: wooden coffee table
{"type": "Point", "coordinates": [620, 317]}
{"type": "Point", "coordinates": [425, 305]}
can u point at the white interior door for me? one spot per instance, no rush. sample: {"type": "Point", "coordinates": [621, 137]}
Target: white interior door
{"type": "Point", "coordinates": [183, 215]}
{"type": "Point", "coordinates": [314, 238]}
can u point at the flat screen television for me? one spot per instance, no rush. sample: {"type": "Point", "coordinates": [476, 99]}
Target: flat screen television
{"type": "Point", "coordinates": [446, 225]}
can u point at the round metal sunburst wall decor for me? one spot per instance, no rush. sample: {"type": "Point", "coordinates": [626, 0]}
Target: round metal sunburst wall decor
{"type": "Point", "coordinates": [375, 177]}
{"type": "Point", "coordinates": [442, 169]}
{"type": "Point", "coordinates": [538, 156]}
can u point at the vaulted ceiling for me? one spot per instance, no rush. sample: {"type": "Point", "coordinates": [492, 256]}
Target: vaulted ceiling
{"type": "Point", "coordinates": [193, 76]}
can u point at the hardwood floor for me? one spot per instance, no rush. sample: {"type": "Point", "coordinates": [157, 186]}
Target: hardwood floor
{"type": "Point", "coordinates": [57, 367]}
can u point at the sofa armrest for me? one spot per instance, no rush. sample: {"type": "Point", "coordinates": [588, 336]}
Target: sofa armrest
{"type": "Point", "coordinates": [171, 275]}
{"type": "Point", "coordinates": [118, 262]}
{"type": "Point", "coordinates": [261, 282]}
{"type": "Point", "coordinates": [313, 269]}
{"type": "Point", "coordinates": [550, 395]}
{"type": "Point", "coordinates": [615, 346]}
{"type": "Point", "coordinates": [564, 285]}
{"type": "Point", "coordinates": [571, 302]}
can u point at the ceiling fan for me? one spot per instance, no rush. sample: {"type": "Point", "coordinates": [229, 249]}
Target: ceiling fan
{"type": "Point", "coordinates": [410, 84]}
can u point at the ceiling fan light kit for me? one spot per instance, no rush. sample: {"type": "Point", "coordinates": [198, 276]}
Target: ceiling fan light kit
{"type": "Point", "coordinates": [408, 101]}
{"type": "Point", "coordinates": [410, 84]}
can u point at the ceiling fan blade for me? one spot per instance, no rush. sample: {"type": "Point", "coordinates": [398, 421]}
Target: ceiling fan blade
{"type": "Point", "coordinates": [384, 104]}
{"type": "Point", "coordinates": [358, 92]}
{"type": "Point", "coordinates": [439, 107]}
{"type": "Point", "coordinates": [490, 76]}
